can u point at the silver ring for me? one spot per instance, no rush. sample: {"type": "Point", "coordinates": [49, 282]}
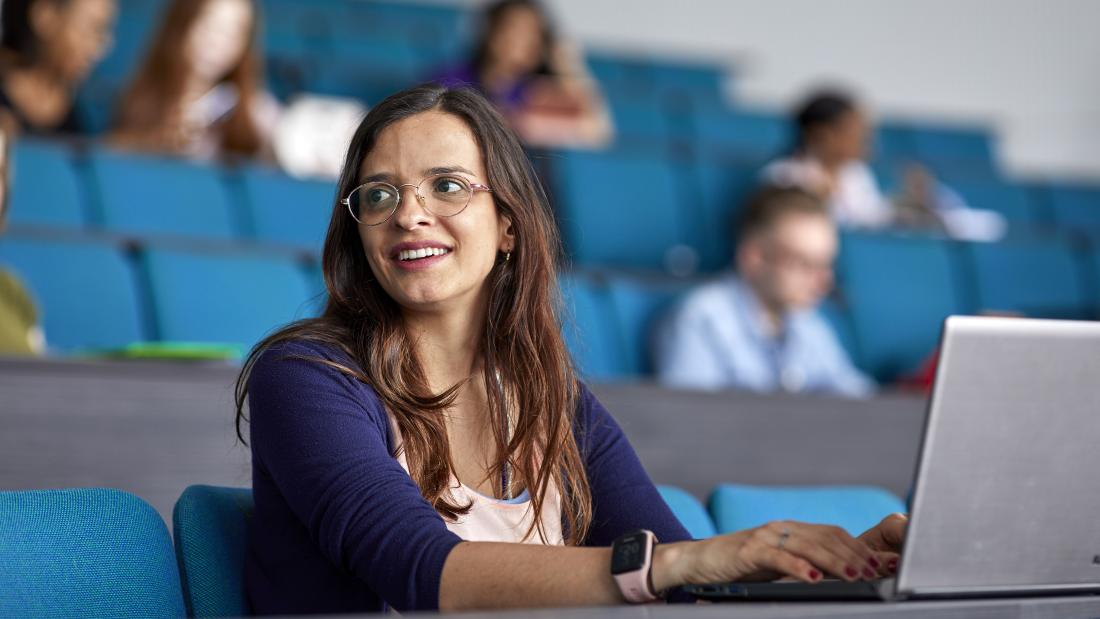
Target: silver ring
{"type": "Point", "coordinates": [783, 537]}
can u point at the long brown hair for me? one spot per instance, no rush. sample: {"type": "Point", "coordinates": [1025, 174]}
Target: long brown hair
{"type": "Point", "coordinates": [157, 89]}
{"type": "Point", "coordinates": [521, 335]}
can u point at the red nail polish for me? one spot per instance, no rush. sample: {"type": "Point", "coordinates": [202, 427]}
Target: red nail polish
{"type": "Point", "coordinates": [851, 572]}
{"type": "Point", "coordinates": [869, 573]}
{"type": "Point", "coordinates": [815, 575]}
{"type": "Point", "coordinates": [874, 563]}
{"type": "Point", "coordinates": [893, 565]}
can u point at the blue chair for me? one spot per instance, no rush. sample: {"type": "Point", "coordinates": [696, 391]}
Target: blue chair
{"type": "Point", "coordinates": [1075, 206]}
{"type": "Point", "coordinates": [638, 305]}
{"type": "Point", "coordinates": [640, 121]}
{"type": "Point", "coordinates": [893, 144]}
{"type": "Point", "coordinates": [619, 208]}
{"type": "Point", "coordinates": [143, 195]}
{"type": "Point", "coordinates": [840, 319]}
{"type": "Point", "coordinates": [287, 210]}
{"type": "Point", "coordinates": [1012, 201]}
{"type": "Point", "coordinates": [88, 552]}
{"type": "Point", "coordinates": [723, 188]}
{"type": "Point", "coordinates": [955, 149]}
{"type": "Point", "coordinates": [853, 508]}
{"type": "Point", "coordinates": [898, 291]}
{"type": "Point", "coordinates": [45, 187]}
{"type": "Point", "coordinates": [85, 291]}
{"type": "Point", "coordinates": [210, 528]}
{"type": "Point", "coordinates": [749, 135]}
{"type": "Point", "coordinates": [1039, 277]}
{"type": "Point", "coordinates": [590, 330]}
{"type": "Point", "coordinates": [689, 511]}
{"type": "Point", "coordinates": [223, 298]}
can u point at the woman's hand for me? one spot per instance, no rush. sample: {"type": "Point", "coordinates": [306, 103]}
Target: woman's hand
{"type": "Point", "coordinates": [885, 538]}
{"type": "Point", "coordinates": [804, 552]}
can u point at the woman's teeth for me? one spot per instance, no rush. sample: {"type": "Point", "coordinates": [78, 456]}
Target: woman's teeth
{"type": "Point", "coordinates": [416, 254]}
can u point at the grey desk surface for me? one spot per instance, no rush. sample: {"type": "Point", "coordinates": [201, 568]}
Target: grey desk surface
{"type": "Point", "coordinates": [153, 428]}
{"type": "Point", "coordinates": [1078, 607]}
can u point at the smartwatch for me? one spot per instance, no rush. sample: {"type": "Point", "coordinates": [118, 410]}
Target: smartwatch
{"type": "Point", "coordinates": [632, 566]}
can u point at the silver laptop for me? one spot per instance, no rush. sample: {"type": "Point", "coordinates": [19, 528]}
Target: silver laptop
{"type": "Point", "coordinates": [1007, 492]}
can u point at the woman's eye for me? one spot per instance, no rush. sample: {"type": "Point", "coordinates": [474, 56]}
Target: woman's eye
{"type": "Point", "coordinates": [378, 196]}
{"type": "Point", "coordinates": [448, 185]}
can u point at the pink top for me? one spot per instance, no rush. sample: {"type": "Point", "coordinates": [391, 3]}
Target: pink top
{"type": "Point", "coordinates": [495, 520]}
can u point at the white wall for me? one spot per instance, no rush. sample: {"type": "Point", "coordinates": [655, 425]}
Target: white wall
{"type": "Point", "coordinates": [1031, 67]}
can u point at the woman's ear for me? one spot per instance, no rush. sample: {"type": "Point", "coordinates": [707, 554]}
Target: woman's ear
{"type": "Point", "coordinates": [507, 234]}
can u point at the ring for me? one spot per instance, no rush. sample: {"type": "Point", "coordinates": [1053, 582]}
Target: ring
{"type": "Point", "coordinates": [783, 537]}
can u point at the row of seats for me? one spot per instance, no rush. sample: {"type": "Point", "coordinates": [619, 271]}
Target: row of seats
{"type": "Point", "coordinates": [655, 211]}
{"type": "Point", "coordinates": [99, 552]}
{"type": "Point", "coordinates": [895, 291]}
{"type": "Point", "coordinates": [57, 187]}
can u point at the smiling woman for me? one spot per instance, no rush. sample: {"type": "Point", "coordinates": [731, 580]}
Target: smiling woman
{"type": "Point", "coordinates": [425, 443]}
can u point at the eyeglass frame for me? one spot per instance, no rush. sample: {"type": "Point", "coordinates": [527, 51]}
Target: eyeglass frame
{"type": "Point", "coordinates": [474, 188]}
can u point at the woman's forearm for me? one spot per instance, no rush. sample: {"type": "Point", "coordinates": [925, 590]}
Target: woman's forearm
{"type": "Point", "coordinates": [497, 575]}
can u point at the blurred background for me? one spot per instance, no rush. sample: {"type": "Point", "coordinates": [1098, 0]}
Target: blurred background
{"type": "Point", "coordinates": [171, 171]}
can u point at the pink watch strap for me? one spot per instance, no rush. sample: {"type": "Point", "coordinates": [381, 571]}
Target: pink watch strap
{"type": "Point", "coordinates": [636, 586]}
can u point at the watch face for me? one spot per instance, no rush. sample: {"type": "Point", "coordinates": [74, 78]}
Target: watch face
{"type": "Point", "coordinates": [628, 554]}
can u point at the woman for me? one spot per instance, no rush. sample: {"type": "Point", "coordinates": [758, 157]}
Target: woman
{"type": "Point", "coordinates": [47, 48]}
{"type": "Point", "coordinates": [828, 161]}
{"type": "Point", "coordinates": [538, 81]}
{"type": "Point", "coordinates": [198, 93]}
{"type": "Point", "coordinates": [407, 441]}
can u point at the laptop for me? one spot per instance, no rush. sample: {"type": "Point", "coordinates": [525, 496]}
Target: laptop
{"type": "Point", "coordinates": [1007, 494]}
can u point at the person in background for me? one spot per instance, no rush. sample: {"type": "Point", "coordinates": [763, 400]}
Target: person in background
{"type": "Point", "coordinates": [47, 47]}
{"type": "Point", "coordinates": [828, 160]}
{"type": "Point", "coordinates": [20, 333]}
{"type": "Point", "coordinates": [757, 329]}
{"type": "Point", "coordinates": [198, 93]}
{"type": "Point", "coordinates": [539, 82]}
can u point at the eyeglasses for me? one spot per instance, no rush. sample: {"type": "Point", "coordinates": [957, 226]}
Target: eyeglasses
{"type": "Point", "coordinates": [446, 195]}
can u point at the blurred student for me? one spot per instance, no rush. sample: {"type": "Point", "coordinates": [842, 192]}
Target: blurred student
{"type": "Point", "coordinates": [757, 329]}
{"type": "Point", "coordinates": [20, 333]}
{"type": "Point", "coordinates": [47, 47]}
{"type": "Point", "coordinates": [828, 160]}
{"type": "Point", "coordinates": [199, 92]}
{"type": "Point", "coordinates": [538, 81]}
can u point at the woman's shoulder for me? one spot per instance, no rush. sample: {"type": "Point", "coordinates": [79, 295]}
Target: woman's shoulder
{"type": "Point", "coordinates": [303, 364]}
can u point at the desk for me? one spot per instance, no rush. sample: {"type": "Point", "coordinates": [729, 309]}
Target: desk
{"type": "Point", "coordinates": [154, 427]}
{"type": "Point", "coordinates": [1077, 607]}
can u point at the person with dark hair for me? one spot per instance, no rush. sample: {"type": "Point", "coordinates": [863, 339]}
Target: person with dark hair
{"type": "Point", "coordinates": [20, 333]}
{"type": "Point", "coordinates": [425, 443]}
{"type": "Point", "coordinates": [539, 82]}
{"type": "Point", "coordinates": [757, 329]}
{"type": "Point", "coordinates": [828, 160]}
{"type": "Point", "coordinates": [47, 47]}
{"type": "Point", "coordinates": [199, 91]}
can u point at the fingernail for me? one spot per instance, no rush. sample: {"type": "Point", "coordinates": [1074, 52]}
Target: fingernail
{"type": "Point", "coordinates": [815, 575]}
{"type": "Point", "coordinates": [869, 573]}
{"type": "Point", "coordinates": [893, 565]}
{"type": "Point", "coordinates": [874, 563]}
{"type": "Point", "coordinates": [851, 572]}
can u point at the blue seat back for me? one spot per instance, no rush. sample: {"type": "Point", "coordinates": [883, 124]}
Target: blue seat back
{"type": "Point", "coordinates": [1012, 201]}
{"type": "Point", "coordinates": [1075, 206]}
{"type": "Point", "coordinates": [286, 210]}
{"type": "Point", "coordinates": [638, 305]}
{"type": "Point", "coordinates": [722, 190]}
{"type": "Point", "coordinates": [143, 195]}
{"type": "Point", "coordinates": [619, 209]}
{"type": "Point", "coordinates": [210, 528]}
{"type": "Point", "coordinates": [86, 292]}
{"type": "Point", "coordinates": [88, 552]}
{"type": "Point", "coordinates": [45, 187]}
{"type": "Point", "coordinates": [853, 508]}
{"type": "Point", "coordinates": [957, 149]}
{"type": "Point", "coordinates": [689, 511]}
{"type": "Point", "coordinates": [590, 329]}
{"type": "Point", "coordinates": [1039, 277]}
{"type": "Point", "coordinates": [223, 298]}
{"type": "Point", "coordinates": [898, 291]}
{"type": "Point", "coordinates": [749, 135]}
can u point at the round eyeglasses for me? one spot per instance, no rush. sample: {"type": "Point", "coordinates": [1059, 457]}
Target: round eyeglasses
{"type": "Point", "coordinates": [443, 195]}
